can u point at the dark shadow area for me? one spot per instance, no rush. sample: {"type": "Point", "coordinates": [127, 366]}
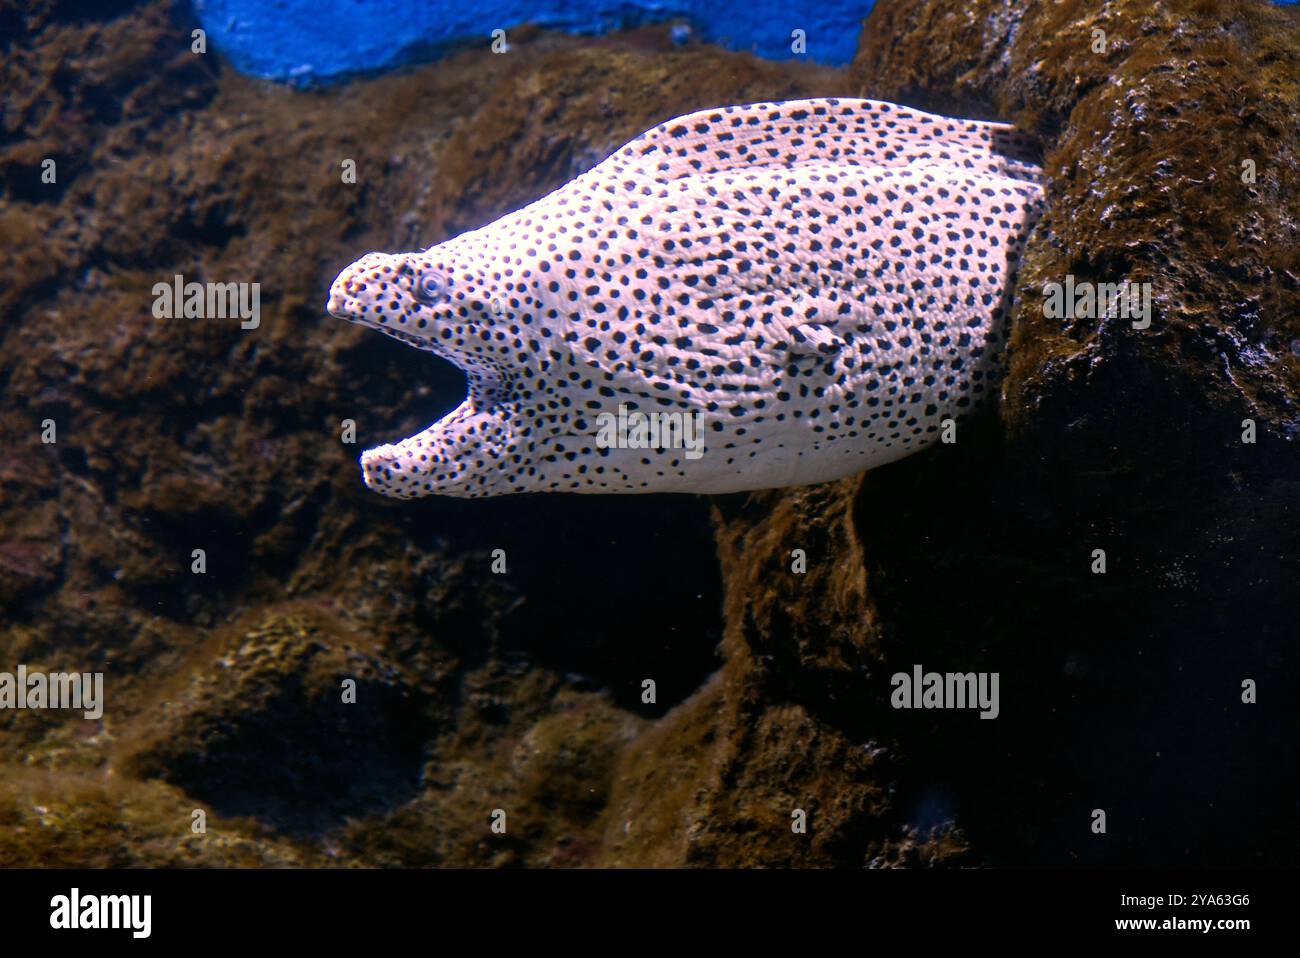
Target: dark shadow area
{"type": "Point", "coordinates": [1119, 691]}
{"type": "Point", "coordinates": [613, 590]}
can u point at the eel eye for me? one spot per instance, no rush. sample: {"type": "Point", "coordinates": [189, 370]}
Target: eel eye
{"type": "Point", "coordinates": [429, 286]}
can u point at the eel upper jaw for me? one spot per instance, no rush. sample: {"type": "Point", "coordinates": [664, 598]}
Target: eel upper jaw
{"type": "Point", "coordinates": [342, 302]}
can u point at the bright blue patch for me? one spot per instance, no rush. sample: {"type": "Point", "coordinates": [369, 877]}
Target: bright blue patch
{"type": "Point", "coordinates": [316, 41]}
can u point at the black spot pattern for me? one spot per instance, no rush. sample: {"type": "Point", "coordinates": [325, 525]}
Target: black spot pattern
{"type": "Point", "coordinates": [823, 281]}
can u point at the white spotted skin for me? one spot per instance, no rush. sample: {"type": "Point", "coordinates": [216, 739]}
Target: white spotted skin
{"type": "Point", "coordinates": [823, 281]}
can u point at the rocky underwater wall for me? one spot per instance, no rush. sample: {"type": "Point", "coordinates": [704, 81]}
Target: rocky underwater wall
{"type": "Point", "coordinates": [1117, 536]}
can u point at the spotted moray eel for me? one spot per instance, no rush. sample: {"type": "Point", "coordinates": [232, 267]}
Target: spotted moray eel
{"type": "Point", "coordinates": [820, 283]}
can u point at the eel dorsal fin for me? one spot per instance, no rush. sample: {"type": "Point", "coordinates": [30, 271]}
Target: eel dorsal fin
{"type": "Point", "coordinates": [836, 132]}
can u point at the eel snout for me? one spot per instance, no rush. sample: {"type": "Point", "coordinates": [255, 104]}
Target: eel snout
{"type": "Point", "coordinates": [359, 287]}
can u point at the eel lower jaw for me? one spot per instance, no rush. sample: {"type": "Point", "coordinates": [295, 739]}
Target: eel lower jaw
{"type": "Point", "coordinates": [462, 455]}
{"type": "Point", "coordinates": [378, 466]}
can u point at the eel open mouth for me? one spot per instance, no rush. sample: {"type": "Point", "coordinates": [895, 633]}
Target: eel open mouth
{"type": "Point", "coordinates": [460, 454]}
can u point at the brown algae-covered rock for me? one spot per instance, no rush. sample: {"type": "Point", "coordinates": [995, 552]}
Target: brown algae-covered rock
{"type": "Point", "coordinates": [293, 721]}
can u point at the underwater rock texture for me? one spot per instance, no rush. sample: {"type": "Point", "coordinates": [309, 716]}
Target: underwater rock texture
{"type": "Point", "coordinates": [523, 691]}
